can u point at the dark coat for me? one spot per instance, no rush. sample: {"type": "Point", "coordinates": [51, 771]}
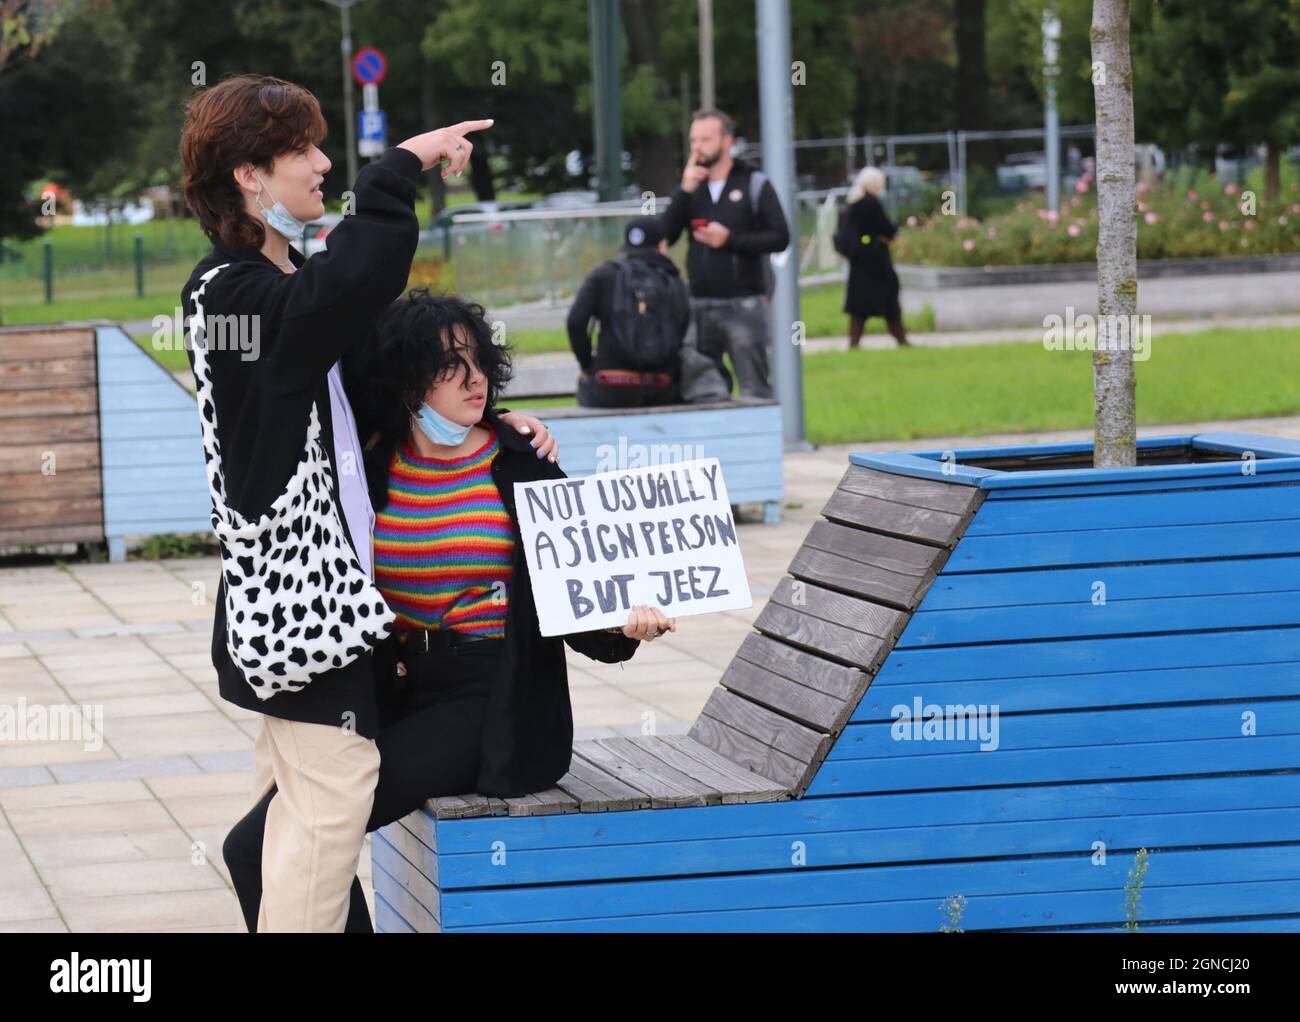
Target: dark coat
{"type": "Point", "coordinates": [307, 321]}
{"type": "Point", "coordinates": [528, 728]}
{"type": "Point", "coordinates": [873, 285]}
{"type": "Point", "coordinates": [736, 269]}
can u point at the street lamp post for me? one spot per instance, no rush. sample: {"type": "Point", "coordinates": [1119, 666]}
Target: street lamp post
{"type": "Point", "coordinates": [349, 114]}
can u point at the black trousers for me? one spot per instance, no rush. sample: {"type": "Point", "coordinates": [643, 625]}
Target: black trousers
{"type": "Point", "coordinates": [430, 729]}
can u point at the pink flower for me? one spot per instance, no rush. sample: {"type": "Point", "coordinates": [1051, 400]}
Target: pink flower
{"type": "Point", "coordinates": [968, 244]}
{"type": "Point", "coordinates": [1296, 208]}
{"type": "Point", "coordinates": [1072, 230]}
{"type": "Point", "coordinates": [1151, 218]}
{"type": "Point", "coordinates": [1142, 186]}
{"type": "Point", "coordinates": [1142, 207]}
{"type": "Point", "coordinates": [1081, 186]}
{"type": "Point", "coordinates": [1282, 220]}
{"type": "Point", "coordinates": [1249, 225]}
{"type": "Point", "coordinates": [1223, 225]}
{"type": "Point", "coordinates": [1230, 188]}
{"type": "Point", "coordinates": [1208, 217]}
{"type": "Point", "coordinates": [911, 221]}
{"type": "Point", "coordinates": [1191, 196]}
{"type": "Point", "coordinates": [992, 232]}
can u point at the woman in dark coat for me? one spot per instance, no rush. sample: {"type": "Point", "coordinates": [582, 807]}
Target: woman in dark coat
{"type": "Point", "coordinates": [873, 285]}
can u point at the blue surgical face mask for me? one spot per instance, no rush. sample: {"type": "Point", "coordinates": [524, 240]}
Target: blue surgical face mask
{"type": "Point", "coordinates": [280, 219]}
{"type": "Point", "coordinates": [440, 429]}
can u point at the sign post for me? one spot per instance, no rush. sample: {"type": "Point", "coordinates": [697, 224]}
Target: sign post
{"type": "Point", "coordinates": [370, 67]}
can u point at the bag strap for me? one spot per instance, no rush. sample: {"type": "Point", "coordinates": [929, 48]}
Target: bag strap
{"type": "Point", "coordinates": [203, 384]}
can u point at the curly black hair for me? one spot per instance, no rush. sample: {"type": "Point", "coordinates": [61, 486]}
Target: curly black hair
{"type": "Point", "coordinates": [392, 373]}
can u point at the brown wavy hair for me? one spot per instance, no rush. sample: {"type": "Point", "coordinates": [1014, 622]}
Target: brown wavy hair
{"type": "Point", "coordinates": [242, 119]}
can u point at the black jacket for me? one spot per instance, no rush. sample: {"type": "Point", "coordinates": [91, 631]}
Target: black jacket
{"type": "Point", "coordinates": [306, 321]}
{"type": "Point", "coordinates": [528, 728]}
{"type": "Point", "coordinates": [872, 288]}
{"type": "Point", "coordinates": [596, 298]}
{"type": "Point", "coordinates": [733, 270]}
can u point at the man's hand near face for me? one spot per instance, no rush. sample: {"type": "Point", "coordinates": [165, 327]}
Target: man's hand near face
{"type": "Point", "coordinates": [693, 174]}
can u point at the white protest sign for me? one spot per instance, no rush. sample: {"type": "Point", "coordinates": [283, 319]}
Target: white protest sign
{"type": "Point", "coordinates": [598, 545]}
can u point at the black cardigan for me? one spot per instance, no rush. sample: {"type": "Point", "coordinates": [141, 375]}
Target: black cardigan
{"type": "Point", "coordinates": [528, 729]}
{"type": "Point", "coordinates": [306, 321]}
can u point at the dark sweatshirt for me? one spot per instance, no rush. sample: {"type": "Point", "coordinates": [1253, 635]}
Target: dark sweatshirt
{"type": "Point", "coordinates": [307, 320]}
{"type": "Point", "coordinates": [734, 269]}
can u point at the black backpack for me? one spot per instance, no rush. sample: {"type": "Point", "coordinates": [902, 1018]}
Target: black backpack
{"type": "Point", "coordinates": [644, 328]}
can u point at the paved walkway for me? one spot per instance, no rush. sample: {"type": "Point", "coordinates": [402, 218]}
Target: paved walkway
{"type": "Point", "coordinates": [123, 831]}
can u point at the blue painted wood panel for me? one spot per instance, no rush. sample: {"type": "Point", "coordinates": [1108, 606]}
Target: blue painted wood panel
{"type": "Point", "coordinates": [911, 895]}
{"type": "Point", "coordinates": [151, 448]}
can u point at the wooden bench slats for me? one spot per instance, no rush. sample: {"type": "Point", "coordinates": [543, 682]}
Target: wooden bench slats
{"type": "Point", "coordinates": [832, 570]}
{"type": "Point", "coordinates": [835, 680]}
{"type": "Point", "coordinates": [20, 458]}
{"type": "Point", "coordinates": [542, 803]}
{"type": "Point", "coordinates": [19, 344]}
{"type": "Point", "coordinates": [45, 409]}
{"type": "Point", "coordinates": [47, 373]}
{"type": "Point", "coordinates": [608, 793]}
{"type": "Point", "coordinates": [763, 789]}
{"type": "Point", "coordinates": [901, 556]}
{"type": "Point", "coordinates": [787, 697]}
{"type": "Point", "coordinates": [837, 608]}
{"type": "Point", "coordinates": [935, 527]}
{"type": "Point", "coordinates": [457, 807]}
{"type": "Point", "coordinates": [664, 785]}
{"type": "Point", "coordinates": [751, 750]}
{"type": "Point", "coordinates": [822, 637]}
{"type": "Point", "coordinates": [953, 498]}
{"type": "Point", "coordinates": [729, 788]}
{"type": "Point", "coordinates": [58, 427]}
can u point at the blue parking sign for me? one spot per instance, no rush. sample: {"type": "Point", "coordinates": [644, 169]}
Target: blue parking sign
{"type": "Point", "coordinates": [372, 125]}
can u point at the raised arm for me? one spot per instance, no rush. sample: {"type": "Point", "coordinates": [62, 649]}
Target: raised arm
{"type": "Point", "coordinates": [328, 305]}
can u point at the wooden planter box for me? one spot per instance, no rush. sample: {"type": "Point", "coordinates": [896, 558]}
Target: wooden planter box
{"type": "Point", "coordinates": [1134, 636]}
{"type": "Point", "coordinates": [97, 441]}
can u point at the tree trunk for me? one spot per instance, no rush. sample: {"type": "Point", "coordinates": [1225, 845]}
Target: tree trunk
{"type": "Point", "coordinates": [1272, 171]}
{"type": "Point", "coordinates": [1115, 417]}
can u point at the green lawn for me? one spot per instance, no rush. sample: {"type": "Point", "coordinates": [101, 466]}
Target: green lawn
{"type": "Point", "coordinates": [855, 396]}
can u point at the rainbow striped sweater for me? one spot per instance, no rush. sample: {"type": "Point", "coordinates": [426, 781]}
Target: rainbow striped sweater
{"type": "Point", "coordinates": [444, 544]}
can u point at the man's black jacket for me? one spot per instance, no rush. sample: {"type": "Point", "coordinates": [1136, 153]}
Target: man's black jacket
{"type": "Point", "coordinates": [734, 270]}
{"type": "Point", "coordinates": [596, 298]}
{"type": "Point", "coordinates": [306, 321]}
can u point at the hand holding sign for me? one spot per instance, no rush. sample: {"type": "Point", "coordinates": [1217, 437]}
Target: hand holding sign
{"type": "Point", "coordinates": [647, 623]}
{"type": "Point", "coordinates": [661, 537]}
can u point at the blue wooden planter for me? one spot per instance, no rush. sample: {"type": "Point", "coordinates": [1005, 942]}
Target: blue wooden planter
{"type": "Point", "coordinates": [1137, 633]}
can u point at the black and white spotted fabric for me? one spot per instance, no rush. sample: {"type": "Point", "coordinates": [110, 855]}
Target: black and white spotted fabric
{"type": "Point", "coordinates": [298, 602]}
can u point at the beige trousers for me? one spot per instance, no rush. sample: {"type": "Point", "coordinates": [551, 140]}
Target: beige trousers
{"type": "Point", "coordinates": [315, 826]}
